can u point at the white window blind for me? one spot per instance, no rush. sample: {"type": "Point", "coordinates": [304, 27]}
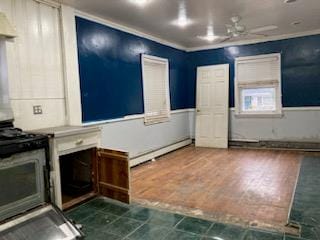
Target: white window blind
{"type": "Point", "coordinates": [155, 73]}
{"type": "Point", "coordinates": [258, 84]}
{"type": "Point", "coordinates": [258, 70]}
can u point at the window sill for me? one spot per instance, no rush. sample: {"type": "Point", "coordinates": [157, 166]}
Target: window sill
{"type": "Point", "coordinates": [150, 123]}
{"type": "Point", "coordinates": [258, 115]}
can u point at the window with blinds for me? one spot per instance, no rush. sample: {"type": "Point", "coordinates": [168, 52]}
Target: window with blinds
{"type": "Point", "coordinates": [155, 74]}
{"type": "Point", "coordinates": [258, 84]}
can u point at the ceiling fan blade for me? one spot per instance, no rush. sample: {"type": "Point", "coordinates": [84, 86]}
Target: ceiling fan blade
{"type": "Point", "coordinates": [258, 34]}
{"type": "Point", "coordinates": [263, 29]}
{"type": "Point", "coordinates": [225, 39]}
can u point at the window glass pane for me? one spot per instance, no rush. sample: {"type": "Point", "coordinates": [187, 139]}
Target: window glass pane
{"type": "Point", "coordinates": [258, 99]}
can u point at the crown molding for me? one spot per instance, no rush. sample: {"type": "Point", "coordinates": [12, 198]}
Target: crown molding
{"type": "Point", "coordinates": [151, 37]}
{"type": "Point", "coordinates": [254, 41]}
{"type": "Point", "coordinates": [133, 31]}
{"type": "Point", "coordinates": [52, 3]}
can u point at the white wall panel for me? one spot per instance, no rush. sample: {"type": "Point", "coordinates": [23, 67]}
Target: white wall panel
{"type": "Point", "coordinates": [71, 69]}
{"type": "Point", "coordinates": [53, 113]}
{"type": "Point", "coordinates": [35, 66]}
{"type": "Point", "coordinates": [296, 124]}
{"type": "Point", "coordinates": [137, 138]}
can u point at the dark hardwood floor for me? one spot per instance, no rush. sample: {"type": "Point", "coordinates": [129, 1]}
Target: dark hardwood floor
{"type": "Point", "coordinates": [237, 184]}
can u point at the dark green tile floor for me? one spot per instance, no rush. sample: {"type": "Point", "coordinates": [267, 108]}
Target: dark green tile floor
{"type": "Point", "coordinates": [104, 219]}
{"type": "Point", "coordinates": [306, 205]}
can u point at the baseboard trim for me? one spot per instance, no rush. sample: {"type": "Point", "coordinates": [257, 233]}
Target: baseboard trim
{"type": "Point", "coordinates": [290, 145]}
{"type": "Point", "coordinates": [151, 155]}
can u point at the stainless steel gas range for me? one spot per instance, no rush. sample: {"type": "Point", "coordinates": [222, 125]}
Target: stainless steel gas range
{"type": "Point", "coordinates": [25, 209]}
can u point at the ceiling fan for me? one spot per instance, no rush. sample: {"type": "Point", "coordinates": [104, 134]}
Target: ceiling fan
{"type": "Point", "coordinates": [236, 30]}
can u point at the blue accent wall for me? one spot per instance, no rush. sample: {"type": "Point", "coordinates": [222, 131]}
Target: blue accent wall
{"type": "Point", "coordinates": [110, 71]}
{"type": "Point", "coordinates": [300, 67]}
{"type": "Point", "coordinates": [111, 77]}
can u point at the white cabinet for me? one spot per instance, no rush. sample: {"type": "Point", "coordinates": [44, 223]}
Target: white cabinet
{"type": "Point", "coordinates": [81, 170]}
{"type": "Point", "coordinates": [66, 140]}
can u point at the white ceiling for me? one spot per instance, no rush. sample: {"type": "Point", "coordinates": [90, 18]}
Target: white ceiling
{"type": "Point", "coordinates": [155, 17]}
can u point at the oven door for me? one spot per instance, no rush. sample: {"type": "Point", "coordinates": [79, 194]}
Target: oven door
{"type": "Point", "coordinates": [44, 223]}
{"type": "Point", "coordinates": [21, 182]}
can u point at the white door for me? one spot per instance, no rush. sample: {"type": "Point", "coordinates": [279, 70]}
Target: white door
{"type": "Point", "coordinates": [212, 106]}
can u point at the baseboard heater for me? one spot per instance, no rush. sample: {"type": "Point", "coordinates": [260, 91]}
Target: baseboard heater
{"type": "Point", "coordinates": [306, 146]}
{"type": "Point", "coordinates": [134, 161]}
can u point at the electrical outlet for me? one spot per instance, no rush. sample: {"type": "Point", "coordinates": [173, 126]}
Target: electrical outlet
{"type": "Point", "coordinates": [37, 109]}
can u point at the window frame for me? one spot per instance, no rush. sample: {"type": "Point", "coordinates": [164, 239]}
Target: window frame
{"type": "Point", "coordinates": [258, 84]}
{"type": "Point", "coordinates": [163, 61]}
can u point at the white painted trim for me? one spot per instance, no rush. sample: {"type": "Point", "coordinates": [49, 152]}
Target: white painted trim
{"type": "Point", "coordinates": [183, 110]}
{"type": "Point", "coordinates": [301, 108]}
{"type": "Point", "coordinates": [149, 156]}
{"type": "Point", "coordinates": [259, 115]}
{"type": "Point", "coordinates": [70, 66]}
{"type": "Point", "coordinates": [126, 118]}
{"type": "Point", "coordinates": [254, 41]}
{"type": "Point", "coordinates": [128, 29]}
{"type": "Point", "coordinates": [294, 109]}
{"type": "Point", "coordinates": [133, 117]}
{"type": "Point", "coordinates": [51, 3]}
{"type": "Point", "coordinates": [191, 110]}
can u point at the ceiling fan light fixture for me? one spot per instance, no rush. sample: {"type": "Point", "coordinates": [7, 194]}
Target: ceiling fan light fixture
{"type": "Point", "coordinates": [235, 19]}
{"type": "Point", "coordinates": [140, 3]}
{"type": "Point", "coordinates": [240, 28]}
{"type": "Point", "coordinates": [182, 21]}
{"type": "Point", "coordinates": [209, 38]}
{"type": "Point", "coordinates": [264, 29]}
{"type": "Point", "coordinates": [235, 34]}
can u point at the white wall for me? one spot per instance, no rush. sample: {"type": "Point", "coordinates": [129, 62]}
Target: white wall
{"type": "Point", "coordinates": [136, 138]}
{"type": "Point", "coordinates": [296, 124]}
{"type": "Point", "coordinates": [35, 68]}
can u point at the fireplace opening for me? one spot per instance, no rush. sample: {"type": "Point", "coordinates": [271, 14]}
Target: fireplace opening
{"type": "Point", "coordinates": [76, 171]}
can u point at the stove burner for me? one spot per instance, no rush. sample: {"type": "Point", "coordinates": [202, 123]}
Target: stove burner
{"type": "Point", "coordinates": [13, 133]}
{"type": "Point", "coordinates": [14, 140]}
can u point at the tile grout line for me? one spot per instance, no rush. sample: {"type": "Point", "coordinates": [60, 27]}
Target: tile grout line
{"type": "Point", "coordinates": [122, 216]}
{"type": "Point", "coordinates": [143, 222]}
{"type": "Point", "coordinates": [212, 224]}
{"type": "Point", "coordinates": [175, 226]}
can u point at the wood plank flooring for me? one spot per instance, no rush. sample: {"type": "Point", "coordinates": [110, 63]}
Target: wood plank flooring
{"type": "Point", "coordinates": [248, 185]}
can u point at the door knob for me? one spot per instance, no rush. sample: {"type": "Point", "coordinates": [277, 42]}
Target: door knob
{"type": "Point", "coordinates": [198, 110]}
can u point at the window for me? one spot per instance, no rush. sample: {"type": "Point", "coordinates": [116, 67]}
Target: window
{"type": "Point", "coordinates": [155, 75]}
{"type": "Point", "coordinates": [258, 85]}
